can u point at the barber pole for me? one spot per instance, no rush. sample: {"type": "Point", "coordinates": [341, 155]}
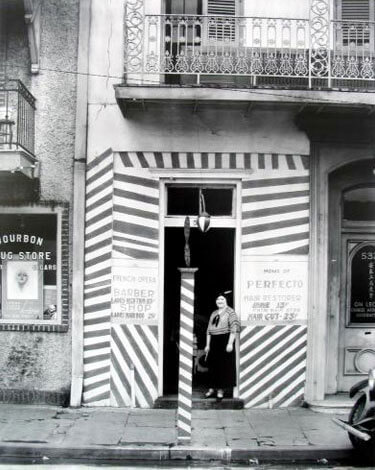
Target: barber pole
{"type": "Point", "coordinates": [186, 346]}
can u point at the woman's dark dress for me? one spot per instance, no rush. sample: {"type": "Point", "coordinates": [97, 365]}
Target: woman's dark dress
{"type": "Point", "coordinates": [221, 364]}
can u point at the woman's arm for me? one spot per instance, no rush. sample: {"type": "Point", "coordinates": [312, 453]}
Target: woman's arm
{"type": "Point", "coordinates": [232, 337]}
{"type": "Point", "coordinates": [234, 326]}
{"type": "Point", "coordinates": [208, 340]}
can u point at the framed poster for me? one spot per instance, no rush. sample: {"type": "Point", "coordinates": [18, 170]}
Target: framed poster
{"type": "Point", "coordinates": [134, 292]}
{"type": "Point", "coordinates": [274, 289]}
{"type": "Point", "coordinates": [22, 289]}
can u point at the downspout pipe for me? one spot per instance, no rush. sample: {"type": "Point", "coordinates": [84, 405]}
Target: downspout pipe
{"type": "Point", "coordinates": [79, 170]}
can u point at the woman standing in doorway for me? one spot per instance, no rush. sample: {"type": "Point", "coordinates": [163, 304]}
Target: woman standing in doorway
{"type": "Point", "coordinates": [220, 347]}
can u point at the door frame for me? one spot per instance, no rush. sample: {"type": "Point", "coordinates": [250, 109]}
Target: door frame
{"type": "Point", "coordinates": [213, 178]}
{"type": "Point", "coordinates": [325, 158]}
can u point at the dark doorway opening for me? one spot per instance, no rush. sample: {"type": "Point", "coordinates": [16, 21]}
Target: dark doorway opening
{"type": "Point", "coordinates": [213, 254]}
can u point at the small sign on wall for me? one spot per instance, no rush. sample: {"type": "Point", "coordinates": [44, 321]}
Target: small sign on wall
{"type": "Point", "coordinates": [274, 289]}
{"type": "Point", "coordinates": [134, 292]}
{"type": "Point", "coordinates": [22, 289]}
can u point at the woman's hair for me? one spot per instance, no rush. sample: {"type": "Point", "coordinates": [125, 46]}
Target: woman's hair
{"type": "Point", "coordinates": [225, 294]}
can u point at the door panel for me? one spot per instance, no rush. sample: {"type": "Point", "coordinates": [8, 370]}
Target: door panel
{"type": "Point", "coordinates": [357, 308]}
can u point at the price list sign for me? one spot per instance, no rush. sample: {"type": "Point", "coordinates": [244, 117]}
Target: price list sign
{"type": "Point", "coordinates": [274, 290]}
{"type": "Point", "coordinates": [362, 285]}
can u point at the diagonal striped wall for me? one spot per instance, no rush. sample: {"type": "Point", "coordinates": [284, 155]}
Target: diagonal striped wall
{"type": "Point", "coordinates": [272, 365]}
{"type": "Point", "coordinates": [122, 221]}
{"type": "Point", "coordinates": [215, 160]}
{"type": "Point", "coordinates": [275, 221]}
{"type": "Point", "coordinates": [136, 216]}
{"type": "Point", "coordinates": [275, 213]}
{"type": "Point", "coordinates": [135, 237]}
{"type": "Point", "coordinates": [134, 350]}
{"type": "Point", "coordinates": [97, 280]}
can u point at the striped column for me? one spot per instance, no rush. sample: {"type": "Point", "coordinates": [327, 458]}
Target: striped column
{"type": "Point", "coordinates": [185, 373]}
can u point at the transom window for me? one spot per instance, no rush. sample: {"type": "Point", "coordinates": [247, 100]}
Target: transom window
{"type": "Point", "coordinates": [359, 204]}
{"type": "Point", "coordinates": [192, 199]}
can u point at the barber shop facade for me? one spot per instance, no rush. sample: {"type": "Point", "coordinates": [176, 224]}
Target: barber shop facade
{"type": "Point", "coordinates": [284, 177]}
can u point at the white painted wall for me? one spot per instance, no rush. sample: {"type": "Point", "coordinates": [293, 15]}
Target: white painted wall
{"type": "Point", "coordinates": [277, 8]}
{"type": "Point", "coordinates": [106, 53]}
{"type": "Point", "coordinates": [173, 128]}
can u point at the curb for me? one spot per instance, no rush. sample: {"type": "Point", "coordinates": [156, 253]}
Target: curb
{"type": "Point", "coordinates": [39, 452]}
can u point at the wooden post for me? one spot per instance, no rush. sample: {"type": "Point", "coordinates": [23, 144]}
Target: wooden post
{"type": "Point", "coordinates": [185, 370]}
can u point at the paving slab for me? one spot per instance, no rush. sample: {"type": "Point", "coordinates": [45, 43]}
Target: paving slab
{"type": "Point", "coordinates": [139, 434]}
{"type": "Point", "coordinates": [26, 412]}
{"type": "Point", "coordinates": [209, 437]}
{"type": "Point", "coordinates": [29, 431]}
{"type": "Point", "coordinates": [144, 435]}
{"type": "Point", "coordinates": [151, 418]}
{"type": "Point", "coordinates": [103, 429]}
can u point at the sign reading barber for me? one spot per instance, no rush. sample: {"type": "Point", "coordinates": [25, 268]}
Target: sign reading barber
{"type": "Point", "coordinates": [273, 290]}
{"type": "Point", "coordinates": [134, 293]}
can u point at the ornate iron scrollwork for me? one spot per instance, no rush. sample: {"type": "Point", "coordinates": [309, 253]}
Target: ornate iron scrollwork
{"type": "Point", "coordinates": [134, 32]}
{"type": "Point", "coordinates": [319, 53]}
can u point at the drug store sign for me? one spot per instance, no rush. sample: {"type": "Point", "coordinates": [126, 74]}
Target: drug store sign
{"type": "Point", "coordinates": [273, 290]}
{"type": "Point", "coordinates": [134, 292]}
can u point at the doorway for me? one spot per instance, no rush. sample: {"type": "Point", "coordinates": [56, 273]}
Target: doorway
{"type": "Point", "coordinates": [351, 274]}
{"type": "Point", "coordinates": [213, 254]}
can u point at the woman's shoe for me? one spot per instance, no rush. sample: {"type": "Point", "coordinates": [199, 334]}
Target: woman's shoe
{"type": "Point", "coordinates": [210, 393]}
{"type": "Point", "coordinates": [220, 395]}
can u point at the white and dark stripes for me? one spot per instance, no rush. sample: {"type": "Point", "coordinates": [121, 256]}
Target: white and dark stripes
{"type": "Point", "coordinates": [97, 280]}
{"type": "Point", "coordinates": [185, 377]}
{"type": "Point", "coordinates": [134, 350]}
{"type": "Point", "coordinates": [272, 365]}
{"type": "Point", "coordinates": [215, 160]}
{"type": "Point", "coordinates": [275, 214]}
{"type": "Point", "coordinates": [136, 216]}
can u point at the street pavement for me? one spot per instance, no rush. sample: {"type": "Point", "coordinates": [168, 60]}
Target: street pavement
{"type": "Point", "coordinates": [45, 434]}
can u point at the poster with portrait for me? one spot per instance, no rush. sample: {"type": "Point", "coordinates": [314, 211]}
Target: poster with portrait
{"type": "Point", "coordinates": [22, 289]}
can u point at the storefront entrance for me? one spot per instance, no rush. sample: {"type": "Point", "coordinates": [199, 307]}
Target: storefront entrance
{"type": "Point", "coordinates": [352, 272]}
{"type": "Point", "coordinates": [213, 254]}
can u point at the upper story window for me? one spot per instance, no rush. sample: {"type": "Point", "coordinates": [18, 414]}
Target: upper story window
{"type": "Point", "coordinates": [356, 17]}
{"type": "Point", "coordinates": [219, 27]}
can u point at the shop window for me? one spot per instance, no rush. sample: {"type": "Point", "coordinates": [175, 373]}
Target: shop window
{"type": "Point", "coordinates": [33, 285]}
{"type": "Point", "coordinates": [190, 200]}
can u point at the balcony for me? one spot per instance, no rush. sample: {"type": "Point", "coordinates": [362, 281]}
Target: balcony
{"type": "Point", "coordinates": [244, 52]}
{"type": "Point", "coordinates": [17, 129]}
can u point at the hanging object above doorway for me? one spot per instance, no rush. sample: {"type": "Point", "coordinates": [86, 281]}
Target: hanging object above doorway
{"type": "Point", "coordinates": [203, 220]}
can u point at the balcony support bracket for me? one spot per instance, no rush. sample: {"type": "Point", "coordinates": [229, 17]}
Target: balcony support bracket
{"type": "Point", "coordinates": [32, 20]}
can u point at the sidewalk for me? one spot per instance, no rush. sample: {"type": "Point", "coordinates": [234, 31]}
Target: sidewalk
{"type": "Point", "coordinates": [42, 433]}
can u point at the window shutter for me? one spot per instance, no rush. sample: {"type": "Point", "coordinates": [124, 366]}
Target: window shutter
{"type": "Point", "coordinates": [222, 29]}
{"type": "Point", "coordinates": [221, 7]}
{"type": "Point", "coordinates": [355, 10]}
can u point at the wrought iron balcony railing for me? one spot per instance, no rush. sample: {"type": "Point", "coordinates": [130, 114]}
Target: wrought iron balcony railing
{"type": "Point", "coordinates": [17, 117]}
{"type": "Point", "coordinates": [264, 51]}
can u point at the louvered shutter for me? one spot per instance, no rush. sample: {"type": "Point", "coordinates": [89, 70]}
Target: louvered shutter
{"type": "Point", "coordinates": [353, 12]}
{"type": "Point", "coordinates": [221, 28]}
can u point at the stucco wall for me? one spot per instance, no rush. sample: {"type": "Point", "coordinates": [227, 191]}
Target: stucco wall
{"type": "Point", "coordinates": [54, 88]}
{"type": "Point", "coordinates": [210, 129]}
{"type": "Point", "coordinates": [40, 361]}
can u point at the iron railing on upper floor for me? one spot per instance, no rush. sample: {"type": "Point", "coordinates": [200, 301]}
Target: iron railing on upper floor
{"type": "Point", "coordinates": [17, 117]}
{"type": "Point", "coordinates": [252, 51]}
